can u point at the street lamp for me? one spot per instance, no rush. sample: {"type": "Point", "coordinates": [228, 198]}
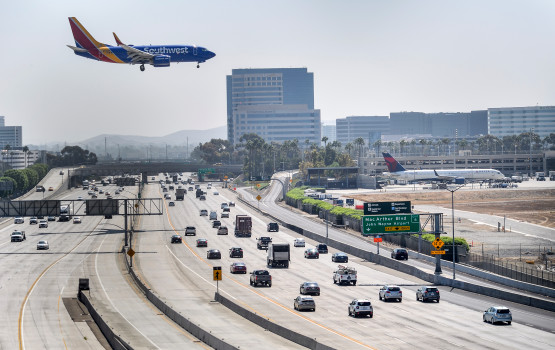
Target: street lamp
{"type": "Point", "coordinates": [453, 190]}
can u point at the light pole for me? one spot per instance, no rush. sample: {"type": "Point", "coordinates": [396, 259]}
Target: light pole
{"type": "Point", "coordinates": [453, 190]}
{"type": "Point", "coordinates": [530, 158]}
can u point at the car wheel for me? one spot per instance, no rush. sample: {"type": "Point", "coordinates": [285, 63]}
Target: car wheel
{"type": "Point", "coordinates": [314, 309]}
{"type": "Point", "coordinates": [491, 321]}
{"type": "Point", "coordinates": [294, 307]}
{"type": "Point", "coordinates": [371, 315]}
{"type": "Point", "coordinates": [269, 284]}
{"type": "Point", "coordinates": [400, 300]}
{"type": "Point", "coordinates": [334, 282]}
{"type": "Point", "coordinates": [484, 318]}
{"type": "Point", "coordinates": [508, 322]}
{"type": "Point", "coordinates": [380, 296]}
{"type": "Point", "coordinates": [417, 298]}
{"type": "Point", "coordinates": [349, 310]}
{"type": "Point", "coordinates": [438, 300]}
{"type": "Point", "coordinates": [301, 291]}
{"type": "Point", "coordinates": [317, 294]}
{"type": "Point", "coordinates": [354, 283]}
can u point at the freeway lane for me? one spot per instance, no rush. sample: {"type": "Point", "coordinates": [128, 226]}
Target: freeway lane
{"type": "Point", "coordinates": [407, 325]}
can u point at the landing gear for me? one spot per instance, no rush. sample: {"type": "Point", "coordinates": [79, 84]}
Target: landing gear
{"type": "Point", "coordinates": [198, 65]}
{"type": "Point", "coordinates": [142, 67]}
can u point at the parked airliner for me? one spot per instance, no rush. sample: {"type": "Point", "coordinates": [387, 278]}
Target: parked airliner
{"type": "Point", "coordinates": [156, 55]}
{"type": "Point", "coordinates": [397, 171]}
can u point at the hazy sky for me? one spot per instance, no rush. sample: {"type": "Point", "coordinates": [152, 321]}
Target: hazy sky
{"type": "Point", "coordinates": [368, 58]}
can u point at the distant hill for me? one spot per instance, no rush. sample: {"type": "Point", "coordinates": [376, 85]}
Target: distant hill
{"type": "Point", "coordinates": [178, 138]}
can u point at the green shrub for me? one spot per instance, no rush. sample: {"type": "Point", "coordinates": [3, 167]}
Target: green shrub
{"type": "Point", "coordinates": [298, 193]}
{"type": "Point", "coordinates": [447, 240]}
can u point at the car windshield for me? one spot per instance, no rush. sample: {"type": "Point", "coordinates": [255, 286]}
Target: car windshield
{"type": "Point", "coordinates": [431, 289]}
{"type": "Point", "coordinates": [262, 272]}
{"type": "Point", "coordinates": [42, 242]}
{"type": "Point", "coordinates": [322, 246]}
{"type": "Point", "coordinates": [364, 303]}
{"type": "Point", "coordinates": [311, 284]}
{"type": "Point", "coordinates": [239, 264]}
{"type": "Point", "coordinates": [503, 311]}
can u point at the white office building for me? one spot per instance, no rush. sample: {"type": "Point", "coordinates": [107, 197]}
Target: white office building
{"type": "Point", "coordinates": [10, 135]}
{"type": "Point", "coordinates": [509, 121]}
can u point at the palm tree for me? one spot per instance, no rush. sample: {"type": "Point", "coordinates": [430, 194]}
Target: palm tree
{"type": "Point", "coordinates": [359, 141]}
{"type": "Point", "coordinates": [377, 145]}
{"type": "Point", "coordinates": [325, 141]}
{"type": "Point", "coordinates": [349, 147]}
{"type": "Point", "coordinates": [25, 152]}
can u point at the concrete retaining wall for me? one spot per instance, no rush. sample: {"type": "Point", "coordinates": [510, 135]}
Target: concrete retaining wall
{"type": "Point", "coordinates": [184, 322]}
{"type": "Point", "coordinates": [432, 278]}
{"type": "Point", "coordinates": [115, 341]}
{"type": "Point", "coordinates": [275, 328]}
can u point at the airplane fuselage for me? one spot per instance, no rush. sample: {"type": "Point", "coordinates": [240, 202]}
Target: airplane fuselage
{"type": "Point", "coordinates": [176, 53]}
{"type": "Point", "coordinates": [467, 174]}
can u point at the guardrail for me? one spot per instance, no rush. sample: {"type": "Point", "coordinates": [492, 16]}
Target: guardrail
{"type": "Point", "coordinates": [115, 341]}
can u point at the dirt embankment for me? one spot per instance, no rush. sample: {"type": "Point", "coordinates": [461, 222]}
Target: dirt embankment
{"type": "Point", "coordinates": [534, 206]}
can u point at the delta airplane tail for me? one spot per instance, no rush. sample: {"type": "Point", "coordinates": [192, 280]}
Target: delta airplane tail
{"type": "Point", "coordinates": [392, 165]}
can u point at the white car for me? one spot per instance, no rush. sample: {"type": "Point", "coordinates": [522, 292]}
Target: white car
{"type": "Point", "coordinates": [216, 193]}
{"type": "Point", "coordinates": [18, 220]}
{"type": "Point", "coordinates": [43, 223]}
{"type": "Point", "coordinates": [299, 242]}
{"type": "Point", "coordinates": [77, 220]}
{"type": "Point", "coordinates": [42, 245]}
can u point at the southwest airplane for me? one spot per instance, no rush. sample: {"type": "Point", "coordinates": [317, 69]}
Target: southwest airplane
{"type": "Point", "coordinates": [156, 55]}
{"type": "Point", "coordinates": [397, 171]}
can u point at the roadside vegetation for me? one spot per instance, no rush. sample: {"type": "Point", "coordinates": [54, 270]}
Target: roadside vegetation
{"type": "Point", "coordinates": [23, 180]}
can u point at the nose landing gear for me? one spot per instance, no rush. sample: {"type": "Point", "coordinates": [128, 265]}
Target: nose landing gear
{"type": "Point", "coordinates": [198, 65]}
{"type": "Point", "coordinates": [142, 67]}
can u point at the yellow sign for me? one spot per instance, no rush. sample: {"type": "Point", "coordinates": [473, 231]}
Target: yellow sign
{"type": "Point", "coordinates": [225, 177]}
{"type": "Point", "coordinates": [131, 252]}
{"type": "Point", "coordinates": [217, 272]}
{"type": "Point", "coordinates": [397, 228]}
{"type": "Point", "coordinates": [437, 252]}
{"type": "Point", "coordinates": [258, 185]}
{"type": "Point", "coordinates": [258, 198]}
{"type": "Point", "coordinates": [438, 243]}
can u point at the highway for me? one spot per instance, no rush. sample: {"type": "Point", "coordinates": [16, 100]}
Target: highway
{"type": "Point", "coordinates": [34, 286]}
{"type": "Point", "coordinates": [175, 271]}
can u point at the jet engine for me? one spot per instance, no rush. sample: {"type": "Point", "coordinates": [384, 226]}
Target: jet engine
{"type": "Point", "coordinates": [161, 61]}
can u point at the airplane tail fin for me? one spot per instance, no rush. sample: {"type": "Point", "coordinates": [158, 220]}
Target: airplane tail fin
{"type": "Point", "coordinates": [83, 39]}
{"type": "Point", "coordinates": [392, 165]}
{"type": "Point", "coordinates": [117, 39]}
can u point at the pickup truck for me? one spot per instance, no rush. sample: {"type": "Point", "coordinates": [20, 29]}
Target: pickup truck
{"type": "Point", "coordinates": [262, 242]}
{"type": "Point", "coordinates": [18, 236]}
{"type": "Point", "coordinates": [261, 277]}
{"type": "Point", "coordinates": [345, 275]}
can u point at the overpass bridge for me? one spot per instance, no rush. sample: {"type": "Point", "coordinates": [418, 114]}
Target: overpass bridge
{"type": "Point", "coordinates": [152, 169]}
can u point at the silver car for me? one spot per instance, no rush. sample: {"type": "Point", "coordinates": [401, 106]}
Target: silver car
{"type": "Point", "coordinates": [496, 314]}
{"type": "Point", "coordinates": [304, 303]}
{"type": "Point", "coordinates": [361, 307]}
{"type": "Point", "coordinates": [43, 245]}
{"type": "Point", "coordinates": [43, 224]}
{"type": "Point", "coordinates": [391, 292]}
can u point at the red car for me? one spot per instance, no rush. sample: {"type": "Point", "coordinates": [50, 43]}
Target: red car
{"type": "Point", "coordinates": [238, 267]}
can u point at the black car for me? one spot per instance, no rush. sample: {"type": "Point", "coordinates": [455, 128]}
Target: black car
{"type": "Point", "coordinates": [213, 254]}
{"type": "Point", "coordinates": [176, 239]}
{"type": "Point", "coordinates": [273, 227]}
{"type": "Point", "coordinates": [322, 248]}
{"type": "Point", "coordinates": [340, 257]}
{"type": "Point", "coordinates": [216, 223]}
{"type": "Point", "coordinates": [235, 252]}
{"type": "Point", "coordinates": [400, 254]}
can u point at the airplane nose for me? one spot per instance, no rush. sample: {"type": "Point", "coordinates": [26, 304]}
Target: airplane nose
{"type": "Point", "coordinates": [211, 54]}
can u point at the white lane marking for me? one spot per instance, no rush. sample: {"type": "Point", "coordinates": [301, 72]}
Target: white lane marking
{"type": "Point", "coordinates": [202, 278]}
{"type": "Point", "coordinates": [110, 300]}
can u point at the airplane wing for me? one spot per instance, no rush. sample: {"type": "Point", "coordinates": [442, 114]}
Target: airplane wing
{"type": "Point", "coordinates": [138, 56]}
{"type": "Point", "coordinates": [443, 178]}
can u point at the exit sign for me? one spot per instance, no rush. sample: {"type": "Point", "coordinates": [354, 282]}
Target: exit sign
{"type": "Point", "coordinates": [390, 224]}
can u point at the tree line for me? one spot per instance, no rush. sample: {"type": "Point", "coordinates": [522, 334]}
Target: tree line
{"type": "Point", "coordinates": [23, 180]}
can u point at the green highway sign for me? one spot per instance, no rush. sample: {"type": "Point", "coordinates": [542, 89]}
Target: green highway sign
{"type": "Point", "coordinates": [390, 224]}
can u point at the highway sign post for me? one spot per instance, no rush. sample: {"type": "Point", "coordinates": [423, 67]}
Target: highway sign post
{"type": "Point", "coordinates": [217, 275]}
{"type": "Point", "coordinates": [390, 224]}
{"type": "Point", "coordinates": [382, 208]}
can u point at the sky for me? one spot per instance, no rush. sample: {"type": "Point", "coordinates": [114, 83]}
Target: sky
{"type": "Point", "coordinates": [368, 57]}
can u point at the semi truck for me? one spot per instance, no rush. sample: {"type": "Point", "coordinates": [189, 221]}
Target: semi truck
{"type": "Point", "coordinates": [180, 194]}
{"type": "Point", "coordinates": [243, 226]}
{"type": "Point", "coordinates": [278, 255]}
